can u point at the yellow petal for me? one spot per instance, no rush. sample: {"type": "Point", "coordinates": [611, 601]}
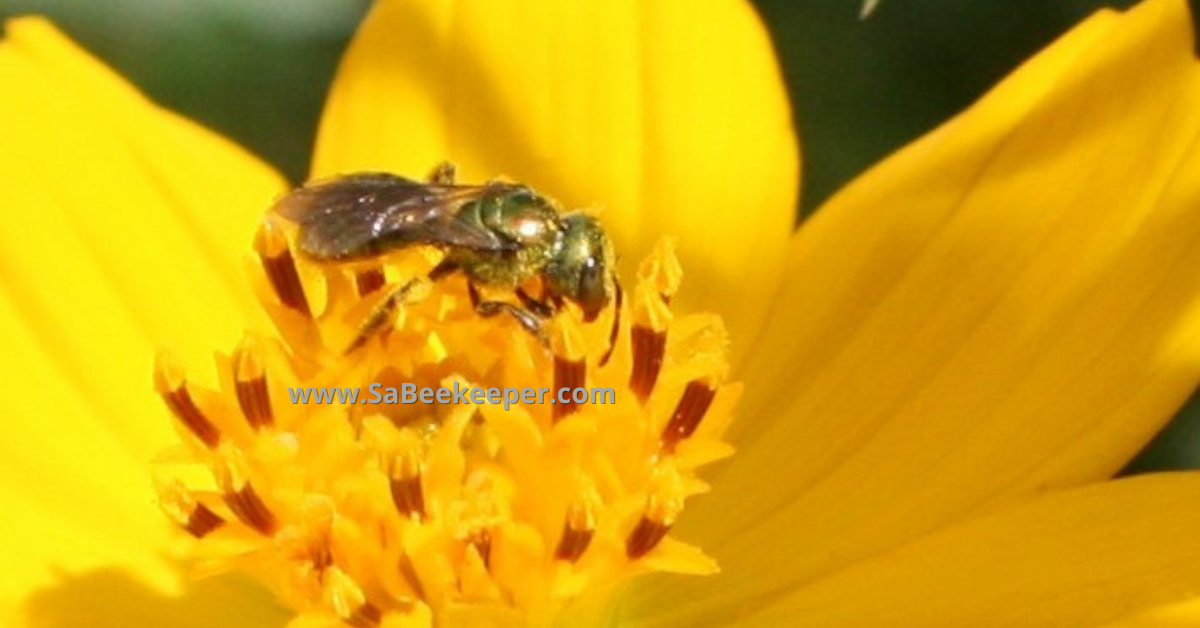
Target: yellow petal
{"type": "Point", "coordinates": [124, 226]}
{"type": "Point", "coordinates": [1181, 615]}
{"type": "Point", "coordinates": [1009, 305]}
{"type": "Point", "coordinates": [670, 117]}
{"type": "Point", "coordinates": [1081, 558]}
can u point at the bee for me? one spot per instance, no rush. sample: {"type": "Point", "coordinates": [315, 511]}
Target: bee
{"type": "Point", "coordinates": [500, 235]}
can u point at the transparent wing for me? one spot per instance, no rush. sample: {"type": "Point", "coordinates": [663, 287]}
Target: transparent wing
{"type": "Point", "coordinates": [363, 215]}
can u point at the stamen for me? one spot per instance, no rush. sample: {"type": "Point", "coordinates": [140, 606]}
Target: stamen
{"type": "Point", "coordinates": [280, 268]}
{"type": "Point", "coordinates": [697, 397]}
{"type": "Point", "coordinates": [662, 270]}
{"type": "Point", "coordinates": [366, 616]}
{"type": "Point", "coordinates": [369, 280]}
{"type": "Point", "coordinates": [649, 347]}
{"type": "Point", "coordinates": [578, 529]}
{"type": "Point", "coordinates": [481, 540]}
{"type": "Point", "coordinates": [348, 600]}
{"type": "Point", "coordinates": [652, 318]}
{"type": "Point", "coordinates": [194, 517]}
{"type": "Point", "coordinates": [203, 521]}
{"type": "Point", "coordinates": [570, 374]}
{"type": "Point", "coordinates": [173, 387]}
{"type": "Point", "coordinates": [407, 494]}
{"type": "Point", "coordinates": [662, 507]}
{"type": "Point", "coordinates": [409, 573]}
{"type": "Point", "coordinates": [651, 529]}
{"type": "Point", "coordinates": [250, 509]}
{"type": "Point", "coordinates": [250, 380]}
{"type": "Point", "coordinates": [464, 539]}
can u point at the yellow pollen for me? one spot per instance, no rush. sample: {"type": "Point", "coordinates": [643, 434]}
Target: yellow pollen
{"type": "Point", "coordinates": [375, 511]}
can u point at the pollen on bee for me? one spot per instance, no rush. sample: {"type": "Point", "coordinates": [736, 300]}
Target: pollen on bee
{"type": "Point", "coordinates": [405, 514]}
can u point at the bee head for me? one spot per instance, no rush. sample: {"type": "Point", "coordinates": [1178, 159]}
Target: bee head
{"type": "Point", "coordinates": [581, 268]}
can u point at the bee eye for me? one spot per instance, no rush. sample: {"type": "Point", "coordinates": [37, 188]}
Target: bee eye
{"type": "Point", "coordinates": [590, 292]}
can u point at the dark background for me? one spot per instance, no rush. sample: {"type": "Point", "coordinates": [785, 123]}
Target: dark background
{"type": "Point", "coordinates": [257, 71]}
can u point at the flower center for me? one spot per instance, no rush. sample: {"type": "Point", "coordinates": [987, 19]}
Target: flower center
{"type": "Point", "coordinates": [317, 465]}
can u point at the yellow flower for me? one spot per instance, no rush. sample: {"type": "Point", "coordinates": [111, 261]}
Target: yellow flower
{"type": "Point", "coordinates": [942, 368]}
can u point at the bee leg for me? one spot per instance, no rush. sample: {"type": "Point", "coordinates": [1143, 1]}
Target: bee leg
{"type": "Point", "coordinates": [542, 310]}
{"type": "Point", "coordinates": [530, 321]}
{"type": "Point", "coordinates": [444, 173]}
{"type": "Point", "coordinates": [444, 269]}
{"type": "Point", "coordinates": [381, 315]}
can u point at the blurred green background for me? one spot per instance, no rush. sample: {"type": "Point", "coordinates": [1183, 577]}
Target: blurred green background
{"type": "Point", "coordinates": [257, 71]}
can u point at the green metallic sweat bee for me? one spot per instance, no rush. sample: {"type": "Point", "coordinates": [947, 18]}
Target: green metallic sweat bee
{"type": "Point", "coordinates": [498, 234]}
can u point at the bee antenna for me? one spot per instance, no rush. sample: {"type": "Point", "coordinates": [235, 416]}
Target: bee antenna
{"type": "Point", "coordinates": [616, 326]}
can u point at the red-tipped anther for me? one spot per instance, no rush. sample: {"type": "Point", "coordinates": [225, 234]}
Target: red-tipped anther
{"type": "Point", "coordinates": [365, 616]}
{"type": "Point", "coordinates": [569, 374]}
{"type": "Point", "coordinates": [173, 387]}
{"type": "Point", "coordinates": [645, 537]}
{"type": "Point", "coordinates": [697, 397]}
{"type": "Point", "coordinates": [280, 268]}
{"type": "Point", "coordinates": [369, 280]}
{"type": "Point", "coordinates": [250, 381]}
{"type": "Point", "coordinates": [576, 535]}
{"type": "Point", "coordinates": [649, 346]}
{"type": "Point", "coordinates": [409, 572]}
{"type": "Point", "coordinates": [250, 509]}
{"type": "Point", "coordinates": [202, 521]}
{"type": "Point", "coordinates": [407, 494]}
{"type": "Point", "coordinates": [482, 541]}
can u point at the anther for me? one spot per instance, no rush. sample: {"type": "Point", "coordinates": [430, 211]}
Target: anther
{"type": "Point", "coordinates": [662, 507]}
{"type": "Point", "coordinates": [569, 374]}
{"type": "Point", "coordinates": [250, 509]}
{"type": "Point", "coordinates": [365, 616]}
{"type": "Point", "coordinates": [690, 410]}
{"type": "Point", "coordinates": [662, 270]}
{"type": "Point", "coordinates": [481, 540]}
{"type": "Point", "coordinates": [280, 268]}
{"type": "Point", "coordinates": [407, 494]}
{"type": "Point", "coordinates": [202, 521]}
{"type": "Point", "coordinates": [173, 388]}
{"type": "Point", "coordinates": [250, 381]}
{"type": "Point", "coordinates": [194, 517]}
{"type": "Point", "coordinates": [369, 280]}
{"type": "Point", "coordinates": [347, 599]}
{"type": "Point", "coordinates": [649, 347]}
{"type": "Point", "coordinates": [578, 528]}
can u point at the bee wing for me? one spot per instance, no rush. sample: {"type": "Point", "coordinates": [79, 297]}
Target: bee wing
{"type": "Point", "coordinates": [363, 215]}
